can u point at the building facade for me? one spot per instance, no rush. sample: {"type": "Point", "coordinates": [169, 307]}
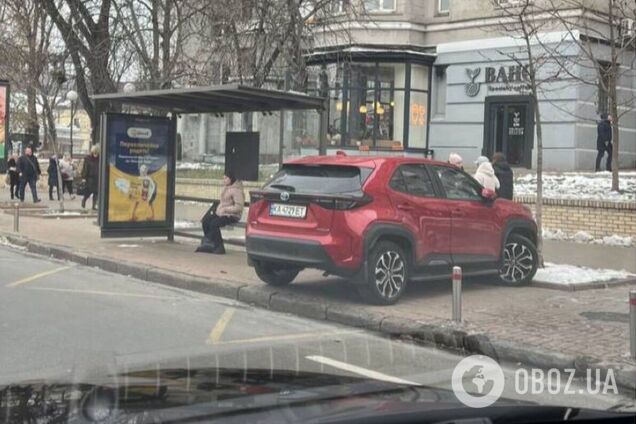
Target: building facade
{"type": "Point", "coordinates": [431, 77]}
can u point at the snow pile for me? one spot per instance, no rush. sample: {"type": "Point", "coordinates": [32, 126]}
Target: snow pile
{"type": "Point", "coordinates": [616, 241]}
{"type": "Point", "coordinates": [570, 274]}
{"type": "Point", "coordinates": [131, 246]}
{"type": "Point", "coordinates": [197, 165]}
{"type": "Point", "coordinates": [180, 225]}
{"type": "Point", "coordinates": [5, 242]}
{"type": "Point", "coordinates": [584, 237]}
{"type": "Point", "coordinates": [579, 185]}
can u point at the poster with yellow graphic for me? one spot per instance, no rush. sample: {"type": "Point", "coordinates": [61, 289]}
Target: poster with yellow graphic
{"type": "Point", "coordinates": [139, 159]}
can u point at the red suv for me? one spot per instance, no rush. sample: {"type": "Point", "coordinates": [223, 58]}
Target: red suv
{"type": "Point", "coordinates": [385, 222]}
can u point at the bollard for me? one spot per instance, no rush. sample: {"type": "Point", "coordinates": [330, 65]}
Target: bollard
{"type": "Point", "coordinates": [16, 218]}
{"type": "Point", "coordinates": [457, 294]}
{"type": "Point", "coordinates": [632, 323]}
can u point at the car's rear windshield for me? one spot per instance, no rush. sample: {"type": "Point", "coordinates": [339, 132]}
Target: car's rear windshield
{"type": "Point", "coordinates": [320, 179]}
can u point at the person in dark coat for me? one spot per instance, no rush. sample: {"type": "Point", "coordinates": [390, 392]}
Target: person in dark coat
{"type": "Point", "coordinates": [228, 211]}
{"type": "Point", "coordinates": [52, 173]}
{"type": "Point", "coordinates": [14, 177]}
{"type": "Point", "coordinates": [504, 174]}
{"type": "Point", "coordinates": [90, 173]}
{"type": "Point", "coordinates": [29, 170]}
{"type": "Point", "coordinates": [604, 142]}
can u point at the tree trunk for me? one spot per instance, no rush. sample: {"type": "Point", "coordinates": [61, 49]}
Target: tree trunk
{"type": "Point", "coordinates": [613, 81]}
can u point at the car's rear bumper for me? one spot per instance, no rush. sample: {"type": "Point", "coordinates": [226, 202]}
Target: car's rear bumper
{"type": "Point", "coordinates": [302, 253]}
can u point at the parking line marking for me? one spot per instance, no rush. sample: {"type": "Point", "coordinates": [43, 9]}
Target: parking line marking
{"type": "Point", "coordinates": [289, 337]}
{"type": "Point", "coordinates": [36, 276]}
{"type": "Point", "coordinates": [102, 293]}
{"type": "Point", "coordinates": [359, 370]}
{"type": "Point", "coordinates": [219, 327]}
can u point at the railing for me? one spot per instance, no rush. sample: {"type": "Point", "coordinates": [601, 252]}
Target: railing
{"type": "Point", "coordinates": [195, 233]}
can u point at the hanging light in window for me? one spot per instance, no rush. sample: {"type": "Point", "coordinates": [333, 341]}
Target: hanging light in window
{"type": "Point", "coordinates": [363, 109]}
{"type": "Point", "coordinates": [339, 106]}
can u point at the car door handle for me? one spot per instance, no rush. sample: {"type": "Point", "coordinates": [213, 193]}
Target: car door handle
{"type": "Point", "coordinates": [458, 212]}
{"type": "Point", "coordinates": [405, 207]}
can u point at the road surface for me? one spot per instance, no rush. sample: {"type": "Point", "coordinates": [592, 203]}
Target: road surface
{"type": "Point", "coordinates": [61, 320]}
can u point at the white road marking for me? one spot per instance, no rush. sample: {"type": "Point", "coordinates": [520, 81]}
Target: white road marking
{"type": "Point", "coordinates": [365, 372]}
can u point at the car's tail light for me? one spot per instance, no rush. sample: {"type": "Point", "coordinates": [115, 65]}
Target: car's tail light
{"type": "Point", "coordinates": [343, 204]}
{"type": "Point", "coordinates": [255, 197]}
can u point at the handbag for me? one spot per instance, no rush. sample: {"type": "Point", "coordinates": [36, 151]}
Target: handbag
{"type": "Point", "coordinates": [81, 188]}
{"type": "Point", "coordinates": [210, 211]}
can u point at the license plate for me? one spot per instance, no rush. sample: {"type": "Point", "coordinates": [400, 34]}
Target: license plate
{"type": "Point", "coordinates": [287, 211]}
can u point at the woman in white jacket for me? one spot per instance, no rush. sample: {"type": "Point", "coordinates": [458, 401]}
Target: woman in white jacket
{"type": "Point", "coordinates": [485, 174]}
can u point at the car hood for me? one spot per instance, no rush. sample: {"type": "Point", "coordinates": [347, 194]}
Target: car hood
{"type": "Point", "coordinates": [243, 395]}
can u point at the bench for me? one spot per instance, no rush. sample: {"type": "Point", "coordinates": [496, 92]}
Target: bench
{"type": "Point", "coordinates": [196, 233]}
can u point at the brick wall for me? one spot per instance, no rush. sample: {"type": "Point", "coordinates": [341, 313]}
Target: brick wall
{"type": "Point", "coordinates": [597, 218]}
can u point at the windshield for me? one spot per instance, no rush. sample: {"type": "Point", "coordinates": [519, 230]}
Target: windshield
{"type": "Point", "coordinates": [320, 179]}
{"type": "Point", "coordinates": [281, 211]}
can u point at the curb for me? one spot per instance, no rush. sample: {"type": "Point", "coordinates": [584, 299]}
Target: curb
{"type": "Point", "coordinates": [592, 285]}
{"type": "Point", "coordinates": [443, 334]}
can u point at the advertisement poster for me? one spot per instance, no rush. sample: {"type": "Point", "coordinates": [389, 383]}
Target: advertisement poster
{"type": "Point", "coordinates": [139, 162]}
{"type": "Point", "coordinates": [4, 122]}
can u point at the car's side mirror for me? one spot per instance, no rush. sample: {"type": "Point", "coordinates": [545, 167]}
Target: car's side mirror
{"type": "Point", "coordinates": [488, 194]}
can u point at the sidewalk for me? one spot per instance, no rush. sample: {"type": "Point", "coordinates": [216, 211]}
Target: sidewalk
{"type": "Point", "coordinates": [528, 324]}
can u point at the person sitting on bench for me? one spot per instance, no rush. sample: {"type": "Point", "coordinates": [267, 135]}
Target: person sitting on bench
{"type": "Point", "coordinates": [226, 212]}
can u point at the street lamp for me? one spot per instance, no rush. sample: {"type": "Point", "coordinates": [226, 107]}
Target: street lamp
{"type": "Point", "coordinates": [71, 96]}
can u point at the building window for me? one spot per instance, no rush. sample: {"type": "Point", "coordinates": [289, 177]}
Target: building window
{"type": "Point", "coordinates": [440, 91]}
{"type": "Point", "coordinates": [443, 7]}
{"type": "Point", "coordinates": [503, 3]}
{"type": "Point", "coordinates": [603, 88]}
{"type": "Point", "coordinates": [379, 5]}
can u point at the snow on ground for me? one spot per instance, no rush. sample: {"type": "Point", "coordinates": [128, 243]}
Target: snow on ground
{"type": "Point", "coordinates": [5, 242]}
{"type": "Point", "coordinates": [579, 185]}
{"type": "Point", "coordinates": [180, 225]}
{"type": "Point", "coordinates": [584, 237]}
{"type": "Point", "coordinates": [570, 274]}
{"type": "Point", "coordinates": [129, 246]}
{"type": "Point", "coordinates": [197, 165]}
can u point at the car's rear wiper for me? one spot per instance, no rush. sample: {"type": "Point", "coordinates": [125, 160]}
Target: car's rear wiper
{"type": "Point", "coordinates": [283, 187]}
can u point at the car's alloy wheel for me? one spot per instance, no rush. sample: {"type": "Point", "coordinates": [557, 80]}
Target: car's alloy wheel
{"type": "Point", "coordinates": [387, 274]}
{"type": "Point", "coordinates": [390, 274]}
{"type": "Point", "coordinates": [520, 261]}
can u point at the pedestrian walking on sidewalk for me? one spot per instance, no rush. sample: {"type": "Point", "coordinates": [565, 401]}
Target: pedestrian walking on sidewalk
{"type": "Point", "coordinates": [228, 211]}
{"type": "Point", "coordinates": [14, 177]}
{"type": "Point", "coordinates": [90, 173]}
{"type": "Point", "coordinates": [29, 170]}
{"type": "Point", "coordinates": [68, 174]}
{"type": "Point", "coordinates": [53, 180]}
{"type": "Point", "coordinates": [504, 174]}
{"type": "Point", "coordinates": [485, 174]}
{"type": "Point", "coordinates": [604, 142]}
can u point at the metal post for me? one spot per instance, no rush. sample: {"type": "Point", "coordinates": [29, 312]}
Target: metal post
{"type": "Point", "coordinates": [457, 294]}
{"type": "Point", "coordinates": [632, 323]}
{"type": "Point", "coordinates": [71, 131]}
{"type": "Point", "coordinates": [16, 218]}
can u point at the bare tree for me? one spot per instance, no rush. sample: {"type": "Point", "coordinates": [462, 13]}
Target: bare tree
{"type": "Point", "coordinates": [85, 28]}
{"type": "Point", "coordinates": [524, 22]}
{"type": "Point", "coordinates": [260, 41]}
{"type": "Point", "coordinates": [157, 31]}
{"type": "Point", "coordinates": [25, 47]}
{"type": "Point", "coordinates": [607, 56]}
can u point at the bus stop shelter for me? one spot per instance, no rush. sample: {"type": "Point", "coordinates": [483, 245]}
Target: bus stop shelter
{"type": "Point", "coordinates": [138, 149]}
